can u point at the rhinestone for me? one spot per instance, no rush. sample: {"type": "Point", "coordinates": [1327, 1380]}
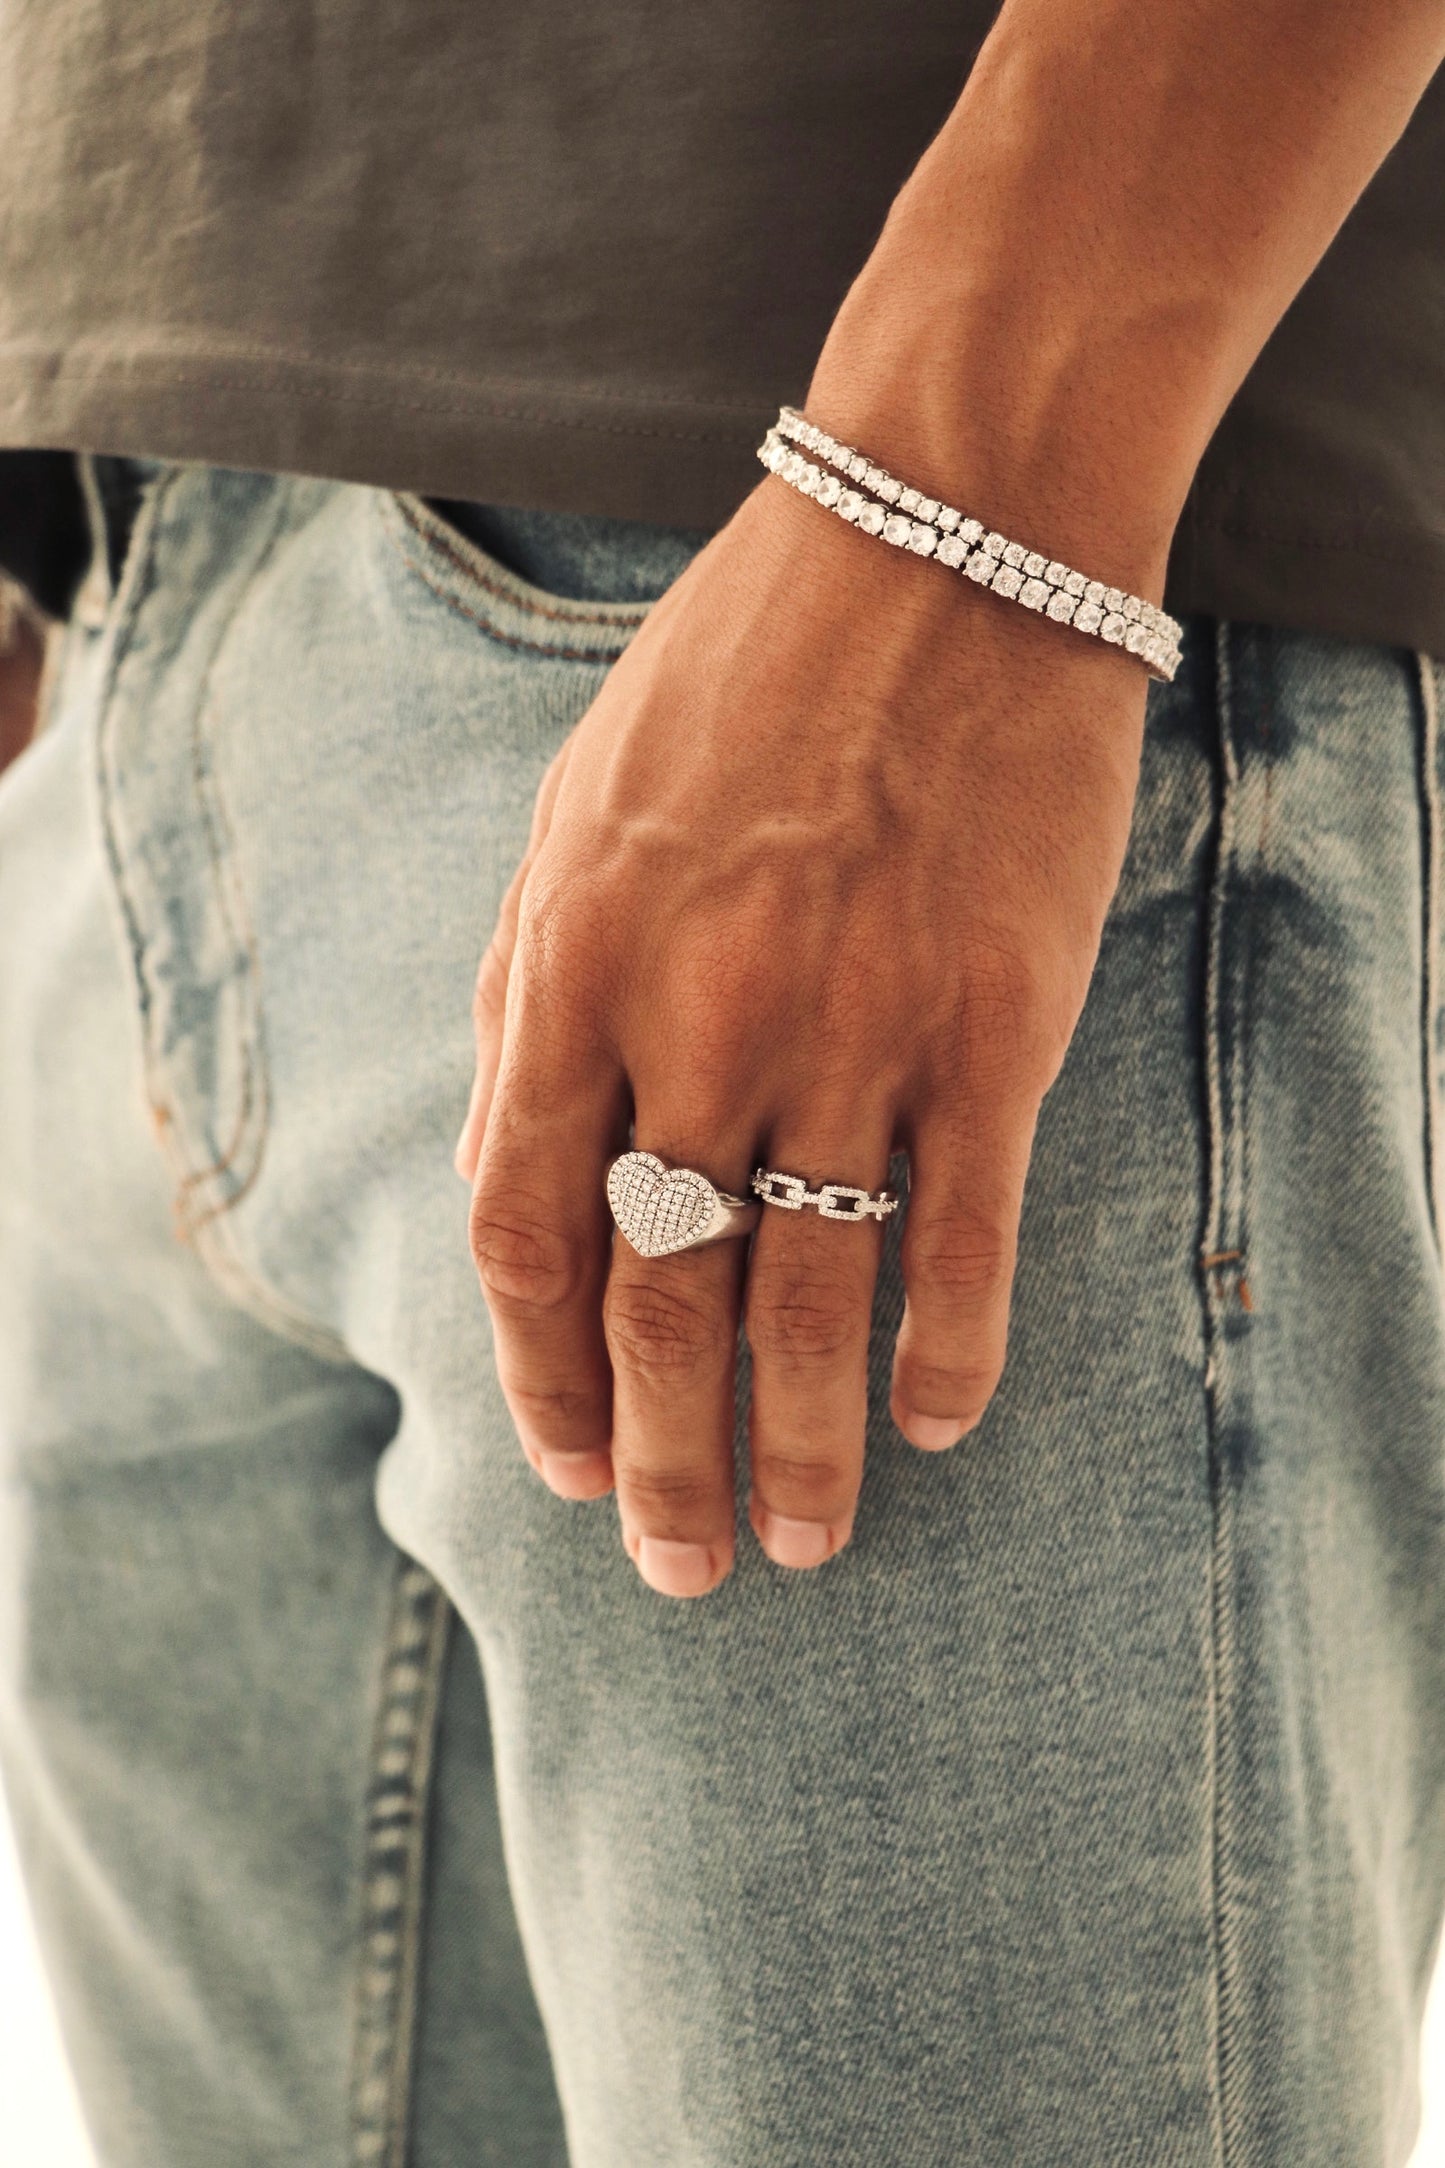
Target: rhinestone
{"type": "Point", "coordinates": [1014, 555]}
{"type": "Point", "coordinates": [1034, 594]}
{"type": "Point", "coordinates": [948, 518]}
{"type": "Point", "coordinates": [929, 508]}
{"type": "Point", "coordinates": [889, 490]}
{"type": "Point", "coordinates": [1034, 565]}
{"type": "Point", "coordinates": [829, 490]}
{"type": "Point", "coordinates": [1095, 593]}
{"type": "Point", "coordinates": [874, 479]}
{"type": "Point", "coordinates": [1113, 629]}
{"type": "Point", "coordinates": [829, 450]}
{"type": "Point", "coordinates": [995, 544]}
{"type": "Point", "coordinates": [870, 519]}
{"type": "Point", "coordinates": [777, 457]}
{"type": "Point", "coordinates": [1088, 617]}
{"type": "Point", "coordinates": [794, 468]}
{"type": "Point", "coordinates": [1007, 581]}
{"type": "Point", "coordinates": [857, 470]}
{"type": "Point", "coordinates": [1061, 606]}
{"type": "Point", "coordinates": [982, 567]}
{"type": "Point", "coordinates": [952, 550]}
{"type": "Point", "coordinates": [1153, 650]}
{"type": "Point", "coordinates": [922, 539]}
{"type": "Point", "coordinates": [895, 530]}
{"type": "Point", "coordinates": [812, 476]}
{"type": "Point", "coordinates": [1132, 608]}
{"type": "Point", "coordinates": [972, 530]}
{"type": "Point", "coordinates": [909, 500]}
{"type": "Point", "coordinates": [849, 505]}
{"type": "Point", "coordinates": [1074, 584]}
{"type": "Point", "coordinates": [1114, 600]}
{"type": "Point", "coordinates": [1056, 574]}
{"type": "Point", "coordinates": [1136, 638]}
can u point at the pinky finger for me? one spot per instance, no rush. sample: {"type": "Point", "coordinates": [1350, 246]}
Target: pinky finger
{"type": "Point", "coordinates": [959, 1247]}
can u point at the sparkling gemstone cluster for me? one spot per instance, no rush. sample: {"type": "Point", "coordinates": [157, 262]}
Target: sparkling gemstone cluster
{"type": "Point", "coordinates": [877, 503]}
{"type": "Point", "coordinates": [659, 1208]}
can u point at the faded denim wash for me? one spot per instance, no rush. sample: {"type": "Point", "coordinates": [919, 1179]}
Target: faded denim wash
{"type": "Point", "coordinates": [1090, 1808]}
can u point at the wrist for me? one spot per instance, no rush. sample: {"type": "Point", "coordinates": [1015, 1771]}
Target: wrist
{"type": "Point", "coordinates": [1028, 415]}
{"type": "Point", "coordinates": [1060, 373]}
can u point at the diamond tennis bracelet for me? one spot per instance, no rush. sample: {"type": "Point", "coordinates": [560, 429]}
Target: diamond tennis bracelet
{"type": "Point", "coordinates": [883, 506]}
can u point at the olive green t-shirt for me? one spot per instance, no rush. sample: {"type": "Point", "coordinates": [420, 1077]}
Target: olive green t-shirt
{"type": "Point", "coordinates": [574, 255]}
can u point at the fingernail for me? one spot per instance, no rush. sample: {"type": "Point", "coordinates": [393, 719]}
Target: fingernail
{"type": "Point", "coordinates": [575, 1475]}
{"type": "Point", "coordinates": [933, 1432]}
{"type": "Point", "coordinates": [799, 1543]}
{"type": "Point", "coordinates": [676, 1569]}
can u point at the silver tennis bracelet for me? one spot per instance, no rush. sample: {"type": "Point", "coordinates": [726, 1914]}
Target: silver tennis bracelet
{"type": "Point", "coordinates": [881, 505]}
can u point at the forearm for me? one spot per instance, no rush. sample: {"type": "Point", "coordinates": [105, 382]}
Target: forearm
{"type": "Point", "coordinates": [1085, 263]}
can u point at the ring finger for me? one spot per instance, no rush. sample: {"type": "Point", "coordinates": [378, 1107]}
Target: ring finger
{"type": "Point", "coordinates": [808, 1309]}
{"type": "Point", "coordinates": [672, 1327]}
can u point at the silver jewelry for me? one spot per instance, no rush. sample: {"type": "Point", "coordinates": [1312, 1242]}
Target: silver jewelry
{"type": "Point", "coordinates": [664, 1209]}
{"type": "Point", "coordinates": [877, 503]}
{"type": "Point", "coordinates": [834, 1200]}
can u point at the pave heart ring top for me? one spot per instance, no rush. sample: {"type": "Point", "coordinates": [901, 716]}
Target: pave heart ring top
{"type": "Point", "coordinates": [663, 1209]}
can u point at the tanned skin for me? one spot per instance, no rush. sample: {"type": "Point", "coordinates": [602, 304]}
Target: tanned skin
{"type": "Point", "coordinates": [822, 873]}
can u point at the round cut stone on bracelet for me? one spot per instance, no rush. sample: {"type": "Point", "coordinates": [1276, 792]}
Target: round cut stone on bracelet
{"type": "Point", "coordinates": [878, 504]}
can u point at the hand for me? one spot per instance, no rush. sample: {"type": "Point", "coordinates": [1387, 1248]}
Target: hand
{"type": "Point", "coordinates": [821, 874]}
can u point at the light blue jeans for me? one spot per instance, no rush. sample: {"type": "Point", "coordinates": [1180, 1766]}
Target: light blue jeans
{"type": "Point", "coordinates": [1090, 1808]}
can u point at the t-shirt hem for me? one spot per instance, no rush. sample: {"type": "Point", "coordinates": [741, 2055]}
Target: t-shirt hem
{"type": "Point", "coordinates": [669, 458]}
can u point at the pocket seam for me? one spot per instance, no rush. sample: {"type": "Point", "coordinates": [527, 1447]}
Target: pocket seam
{"type": "Point", "coordinates": [478, 574]}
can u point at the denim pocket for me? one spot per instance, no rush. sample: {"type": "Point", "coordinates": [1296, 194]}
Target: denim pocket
{"type": "Point", "coordinates": [477, 586]}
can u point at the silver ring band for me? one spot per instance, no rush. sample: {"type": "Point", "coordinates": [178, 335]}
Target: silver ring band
{"type": "Point", "coordinates": [662, 1210]}
{"type": "Point", "coordinates": [831, 1200]}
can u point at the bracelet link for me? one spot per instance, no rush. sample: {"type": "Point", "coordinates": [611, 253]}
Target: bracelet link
{"type": "Point", "coordinates": [869, 498]}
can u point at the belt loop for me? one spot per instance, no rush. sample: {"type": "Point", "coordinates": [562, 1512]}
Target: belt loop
{"type": "Point", "coordinates": [94, 595]}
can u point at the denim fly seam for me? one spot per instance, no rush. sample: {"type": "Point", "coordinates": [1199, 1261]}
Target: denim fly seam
{"type": "Point", "coordinates": [190, 942]}
{"type": "Point", "coordinates": [393, 1893]}
{"type": "Point", "coordinates": [1227, 1303]}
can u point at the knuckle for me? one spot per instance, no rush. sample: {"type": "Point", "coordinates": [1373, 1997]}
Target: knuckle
{"type": "Point", "coordinates": [801, 1323]}
{"type": "Point", "coordinates": [552, 1410]}
{"type": "Point", "coordinates": [526, 1267]}
{"type": "Point", "coordinates": [1010, 1010]}
{"type": "Point", "coordinates": [963, 1267]}
{"type": "Point", "coordinates": [661, 1499]}
{"type": "Point", "coordinates": [961, 1390]}
{"type": "Point", "coordinates": [489, 996]}
{"type": "Point", "coordinates": [661, 1332]}
{"type": "Point", "coordinates": [811, 1488]}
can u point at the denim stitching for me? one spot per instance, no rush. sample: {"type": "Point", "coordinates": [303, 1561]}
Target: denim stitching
{"type": "Point", "coordinates": [601, 655]}
{"type": "Point", "coordinates": [393, 1886]}
{"type": "Point", "coordinates": [1430, 854]}
{"type": "Point", "coordinates": [1222, 1106]}
{"type": "Point", "coordinates": [430, 528]}
{"type": "Point", "coordinates": [235, 1278]}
